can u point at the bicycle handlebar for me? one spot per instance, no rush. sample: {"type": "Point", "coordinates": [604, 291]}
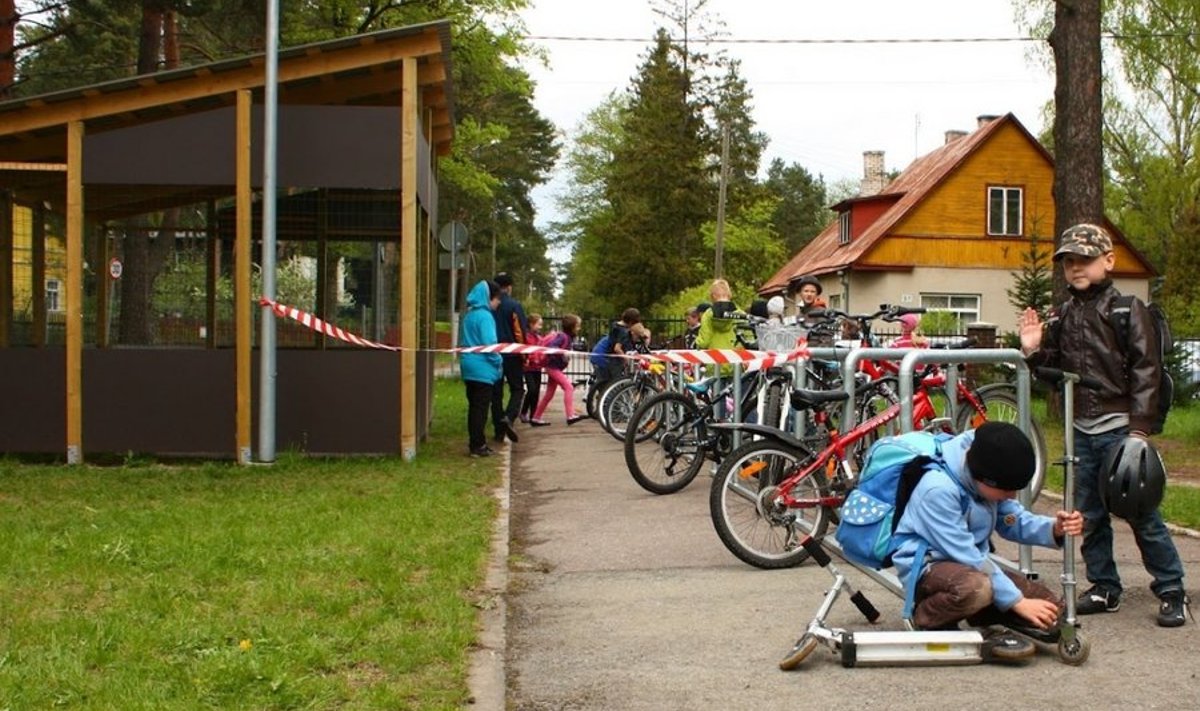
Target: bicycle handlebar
{"type": "Point", "coordinates": [1056, 377]}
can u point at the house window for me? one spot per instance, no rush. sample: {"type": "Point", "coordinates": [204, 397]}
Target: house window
{"type": "Point", "coordinates": [1004, 211]}
{"type": "Point", "coordinates": [964, 307]}
{"type": "Point", "coordinates": [53, 289]}
{"type": "Point", "coordinates": [844, 227]}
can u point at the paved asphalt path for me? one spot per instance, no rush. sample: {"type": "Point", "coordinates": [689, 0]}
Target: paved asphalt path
{"type": "Point", "coordinates": [614, 598]}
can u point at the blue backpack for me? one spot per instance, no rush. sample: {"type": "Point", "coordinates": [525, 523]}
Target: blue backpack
{"type": "Point", "coordinates": [599, 356]}
{"type": "Point", "coordinates": [871, 512]}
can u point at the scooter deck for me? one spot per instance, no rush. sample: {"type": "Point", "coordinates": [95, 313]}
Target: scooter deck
{"type": "Point", "coordinates": [919, 648]}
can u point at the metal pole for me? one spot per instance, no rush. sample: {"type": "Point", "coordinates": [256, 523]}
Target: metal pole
{"type": "Point", "coordinates": [266, 363]}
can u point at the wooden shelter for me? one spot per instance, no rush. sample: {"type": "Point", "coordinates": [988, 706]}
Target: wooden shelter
{"type": "Point", "coordinates": [363, 114]}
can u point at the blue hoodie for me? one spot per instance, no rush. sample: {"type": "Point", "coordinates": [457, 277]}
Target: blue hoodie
{"type": "Point", "coordinates": [478, 328]}
{"type": "Point", "coordinates": [935, 515]}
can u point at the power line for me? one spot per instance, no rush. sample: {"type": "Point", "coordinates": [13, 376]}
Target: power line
{"type": "Point", "coordinates": [847, 40]}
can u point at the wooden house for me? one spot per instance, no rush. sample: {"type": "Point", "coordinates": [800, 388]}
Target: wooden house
{"type": "Point", "coordinates": [948, 233]}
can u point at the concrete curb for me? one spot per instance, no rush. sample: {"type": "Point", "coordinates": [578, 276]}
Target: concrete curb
{"type": "Point", "coordinates": [487, 681]}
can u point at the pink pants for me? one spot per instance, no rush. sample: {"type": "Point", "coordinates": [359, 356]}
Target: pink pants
{"type": "Point", "coordinates": [557, 379]}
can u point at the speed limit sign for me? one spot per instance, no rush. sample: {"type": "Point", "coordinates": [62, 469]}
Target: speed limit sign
{"type": "Point", "coordinates": [115, 268]}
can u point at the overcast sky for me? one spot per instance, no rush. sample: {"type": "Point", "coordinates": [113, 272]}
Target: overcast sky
{"type": "Point", "coordinates": [820, 103]}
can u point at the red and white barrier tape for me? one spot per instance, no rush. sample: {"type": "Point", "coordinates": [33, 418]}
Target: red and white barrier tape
{"type": "Point", "coordinates": [749, 360]}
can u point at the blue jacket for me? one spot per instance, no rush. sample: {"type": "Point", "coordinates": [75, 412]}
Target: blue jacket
{"type": "Point", "coordinates": [935, 515]}
{"type": "Point", "coordinates": [478, 328]}
{"type": "Point", "coordinates": [511, 324]}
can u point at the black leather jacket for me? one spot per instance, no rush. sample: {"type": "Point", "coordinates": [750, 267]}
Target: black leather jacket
{"type": "Point", "coordinates": [1084, 341]}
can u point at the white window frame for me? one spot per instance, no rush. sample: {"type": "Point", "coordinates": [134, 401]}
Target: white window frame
{"type": "Point", "coordinates": [844, 227]}
{"type": "Point", "coordinates": [53, 295]}
{"type": "Point", "coordinates": [1007, 193]}
{"type": "Point", "coordinates": [965, 307]}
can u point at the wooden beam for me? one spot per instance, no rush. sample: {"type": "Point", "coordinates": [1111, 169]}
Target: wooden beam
{"type": "Point", "coordinates": [38, 282]}
{"type": "Point", "coordinates": [409, 123]}
{"type": "Point", "coordinates": [291, 69]}
{"type": "Point", "coordinates": [74, 293]}
{"type": "Point", "coordinates": [242, 305]}
{"type": "Point", "coordinates": [21, 165]}
{"type": "Point", "coordinates": [6, 265]}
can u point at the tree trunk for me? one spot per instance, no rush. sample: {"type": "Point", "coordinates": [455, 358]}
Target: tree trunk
{"type": "Point", "coordinates": [1078, 123]}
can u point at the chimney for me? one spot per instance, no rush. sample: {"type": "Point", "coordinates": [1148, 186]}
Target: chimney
{"type": "Point", "coordinates": [873, 176]}
{"type": "Point", "coordinates": [954, 134]}
{"type": "Point", "coordinates": [984, 119]}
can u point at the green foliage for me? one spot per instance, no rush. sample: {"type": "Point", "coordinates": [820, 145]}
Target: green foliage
{"type": "Point", "coordinates": [941, 323]}
{"type": "Point", "coordinates": [801, 211]}
{"type": "Point", "coordinates": [752, 251]}
{"type": "Point", "coordinates": [1033, 286]}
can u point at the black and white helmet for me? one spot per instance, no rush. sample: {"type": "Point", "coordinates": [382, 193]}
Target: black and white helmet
{"type": "Point", "coordinates": [1133, 479]}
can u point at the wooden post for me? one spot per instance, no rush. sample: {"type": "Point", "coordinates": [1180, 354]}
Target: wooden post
{"type": "Point", "coordinates": [6, 266]}
{"type": "Point", "coordinates": [104, 287]}
{"type": "Point", "coordinates": [38, 282]}
{"type": "Point", "coordinates": [409, 122]}
{"type": "Point", "coordinates": [212, 273]}
{"type": "Point", "coordinates": [74, 293]}
{"type": "Point", "coordinates": [242, 305]}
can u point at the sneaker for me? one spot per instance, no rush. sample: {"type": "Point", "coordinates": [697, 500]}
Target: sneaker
{"type": "Point", "coordinates": [526, 419]}
{"type": "Point", "coordinates": [539, 423]}
{"type": "Point", "coordinates": [1096, 599]}
{"type": "Point", "coordinates": [1003, 646]}
{"type": "Point", "coordinates": [1173, 609]}
{"type": "Point", "coordinates": [576, 418]}
{"type": "Point", "coordinates": [484, 451]}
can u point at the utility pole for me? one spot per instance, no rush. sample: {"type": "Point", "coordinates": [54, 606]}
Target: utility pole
{"type": "Point", "coordinates": [718, 262]}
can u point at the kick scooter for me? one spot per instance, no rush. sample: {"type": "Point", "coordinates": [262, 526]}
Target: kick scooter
{"type": "Point", "coordinates": [911, 647]}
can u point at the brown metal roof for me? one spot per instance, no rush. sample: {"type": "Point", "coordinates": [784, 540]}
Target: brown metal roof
{"type": "Point", "coordinates": [824, 255]}
{"type": "Point", "coordinates": [362, 70]}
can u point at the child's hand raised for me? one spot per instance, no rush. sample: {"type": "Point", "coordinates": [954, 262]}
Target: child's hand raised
{"type": "Point", "coordinates": [1029, 326]}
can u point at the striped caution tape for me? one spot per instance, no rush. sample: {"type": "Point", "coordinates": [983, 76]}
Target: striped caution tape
{"type": "Point", "coordinates": [749, 360]}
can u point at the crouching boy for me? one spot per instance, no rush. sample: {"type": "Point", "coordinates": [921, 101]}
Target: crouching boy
{"type": "Point", "coordinates": [953, 514]}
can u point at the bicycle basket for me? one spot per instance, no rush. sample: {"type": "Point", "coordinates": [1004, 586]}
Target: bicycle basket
{"type": "Point", "coordinates": [779, 338]}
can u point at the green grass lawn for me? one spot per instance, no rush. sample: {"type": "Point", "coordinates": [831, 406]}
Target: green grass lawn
{"type": "Point", "coordinates": [311, 583]}
{"type": "Point", "coordinates": [1179, 445]}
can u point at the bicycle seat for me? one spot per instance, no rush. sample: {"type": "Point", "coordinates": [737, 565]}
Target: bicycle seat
{"type": "Point", "coordinates": [806, 399]}
{"type": "Point", "coordinates": [699, 386]}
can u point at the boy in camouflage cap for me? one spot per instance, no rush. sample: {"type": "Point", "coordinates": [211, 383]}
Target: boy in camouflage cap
{"type": "Point", "coordinates": [1082, 339]}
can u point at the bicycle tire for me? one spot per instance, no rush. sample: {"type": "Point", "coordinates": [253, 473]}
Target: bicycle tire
{"type": "Point", "coordinates": [622, 405]}
{"type": "Point", "coordinates": [773, 406]}
{"type": "Point", "coordinates": [602, 400]}
{"type": "Point", "coordinates": [1000, 405]}
{"type": "Point", "coordinates": [665, 443]}
{"type": "Point", "coordinates": [744, 515]}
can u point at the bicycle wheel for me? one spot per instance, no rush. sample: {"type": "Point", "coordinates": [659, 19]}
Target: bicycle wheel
{"type": "Point", "coordinates": [665, 443]}
{"type": "Point", "coordinates": [606, 394]}
{"type": "Point", "coordinates": [622, 405]}
{"type": "Point", "coordinates": [773, 406]}
{"type": "Point", "coordinates": [1000, 405]}
{"type": "Point", "coordinates": [747, 514]}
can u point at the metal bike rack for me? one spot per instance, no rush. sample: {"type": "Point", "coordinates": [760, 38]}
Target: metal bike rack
{"type": "Point", "coordinates": [991, 356]}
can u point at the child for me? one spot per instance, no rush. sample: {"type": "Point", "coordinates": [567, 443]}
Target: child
{"type": "Point", "coordinates": [1082, 339]}
{"type": "Point", "coordinates": [481, 372]}
{"type": "Point", "coordinates": [692, 318]}
{"type": "Point", "coordinates": [908, 337]}
{"type": "Point", "coordinates": [988, 466]}
{"type": "Point", "coordinates": [533, 369]}
{"type": "Point", "coordinates": [810, 300]}
{"type": "Point", "coordinates": [716, 328]}
{"type": "Point", "coordinates": [555, 377]}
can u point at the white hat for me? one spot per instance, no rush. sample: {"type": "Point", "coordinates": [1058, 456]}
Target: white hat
{"type": "Point", "coordinates": [775, 305]}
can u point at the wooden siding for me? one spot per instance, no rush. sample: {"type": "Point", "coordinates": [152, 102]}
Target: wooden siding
{"type": "Point", "coordinates": [904, 252]}
{"type": "Point", "coordinates": [958, 206]}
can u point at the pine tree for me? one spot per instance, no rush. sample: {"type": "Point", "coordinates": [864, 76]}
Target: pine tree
{"type": "Point", "coordinates": [1033, 286]}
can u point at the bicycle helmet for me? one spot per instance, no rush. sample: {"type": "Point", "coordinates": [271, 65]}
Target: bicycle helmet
{"type": "Point", "coordinates": [1133, 479]}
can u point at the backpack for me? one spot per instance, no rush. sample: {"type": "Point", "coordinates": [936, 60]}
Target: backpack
{"type": "Point", "coordinates": [599, 357]}
{"type": "Point", "coordinates": [535, 361]}
{"type": "Point", "coordinates": [1118, 317]}
{"type": "Point", "coordinates": [558, 339]}
{"type": "Point", "coordinates": [872, 510]}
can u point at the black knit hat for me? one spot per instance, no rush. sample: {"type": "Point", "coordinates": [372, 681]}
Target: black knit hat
{"type": "Point", "coordinates": [1001, 456]}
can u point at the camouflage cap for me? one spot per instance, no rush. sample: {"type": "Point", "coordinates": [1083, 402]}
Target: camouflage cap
{"type": "Point", "coordinates": [1086, 240]}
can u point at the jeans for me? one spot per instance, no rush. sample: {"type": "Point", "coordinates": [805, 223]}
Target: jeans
{"type": "Point", "coordinates": [1159, 555]}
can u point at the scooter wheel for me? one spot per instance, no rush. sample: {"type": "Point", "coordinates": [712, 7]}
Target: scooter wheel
{"type": "Point", "coordinates": [804, 647]}
{"type": "Point", "coordinates": [1074, 651]}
